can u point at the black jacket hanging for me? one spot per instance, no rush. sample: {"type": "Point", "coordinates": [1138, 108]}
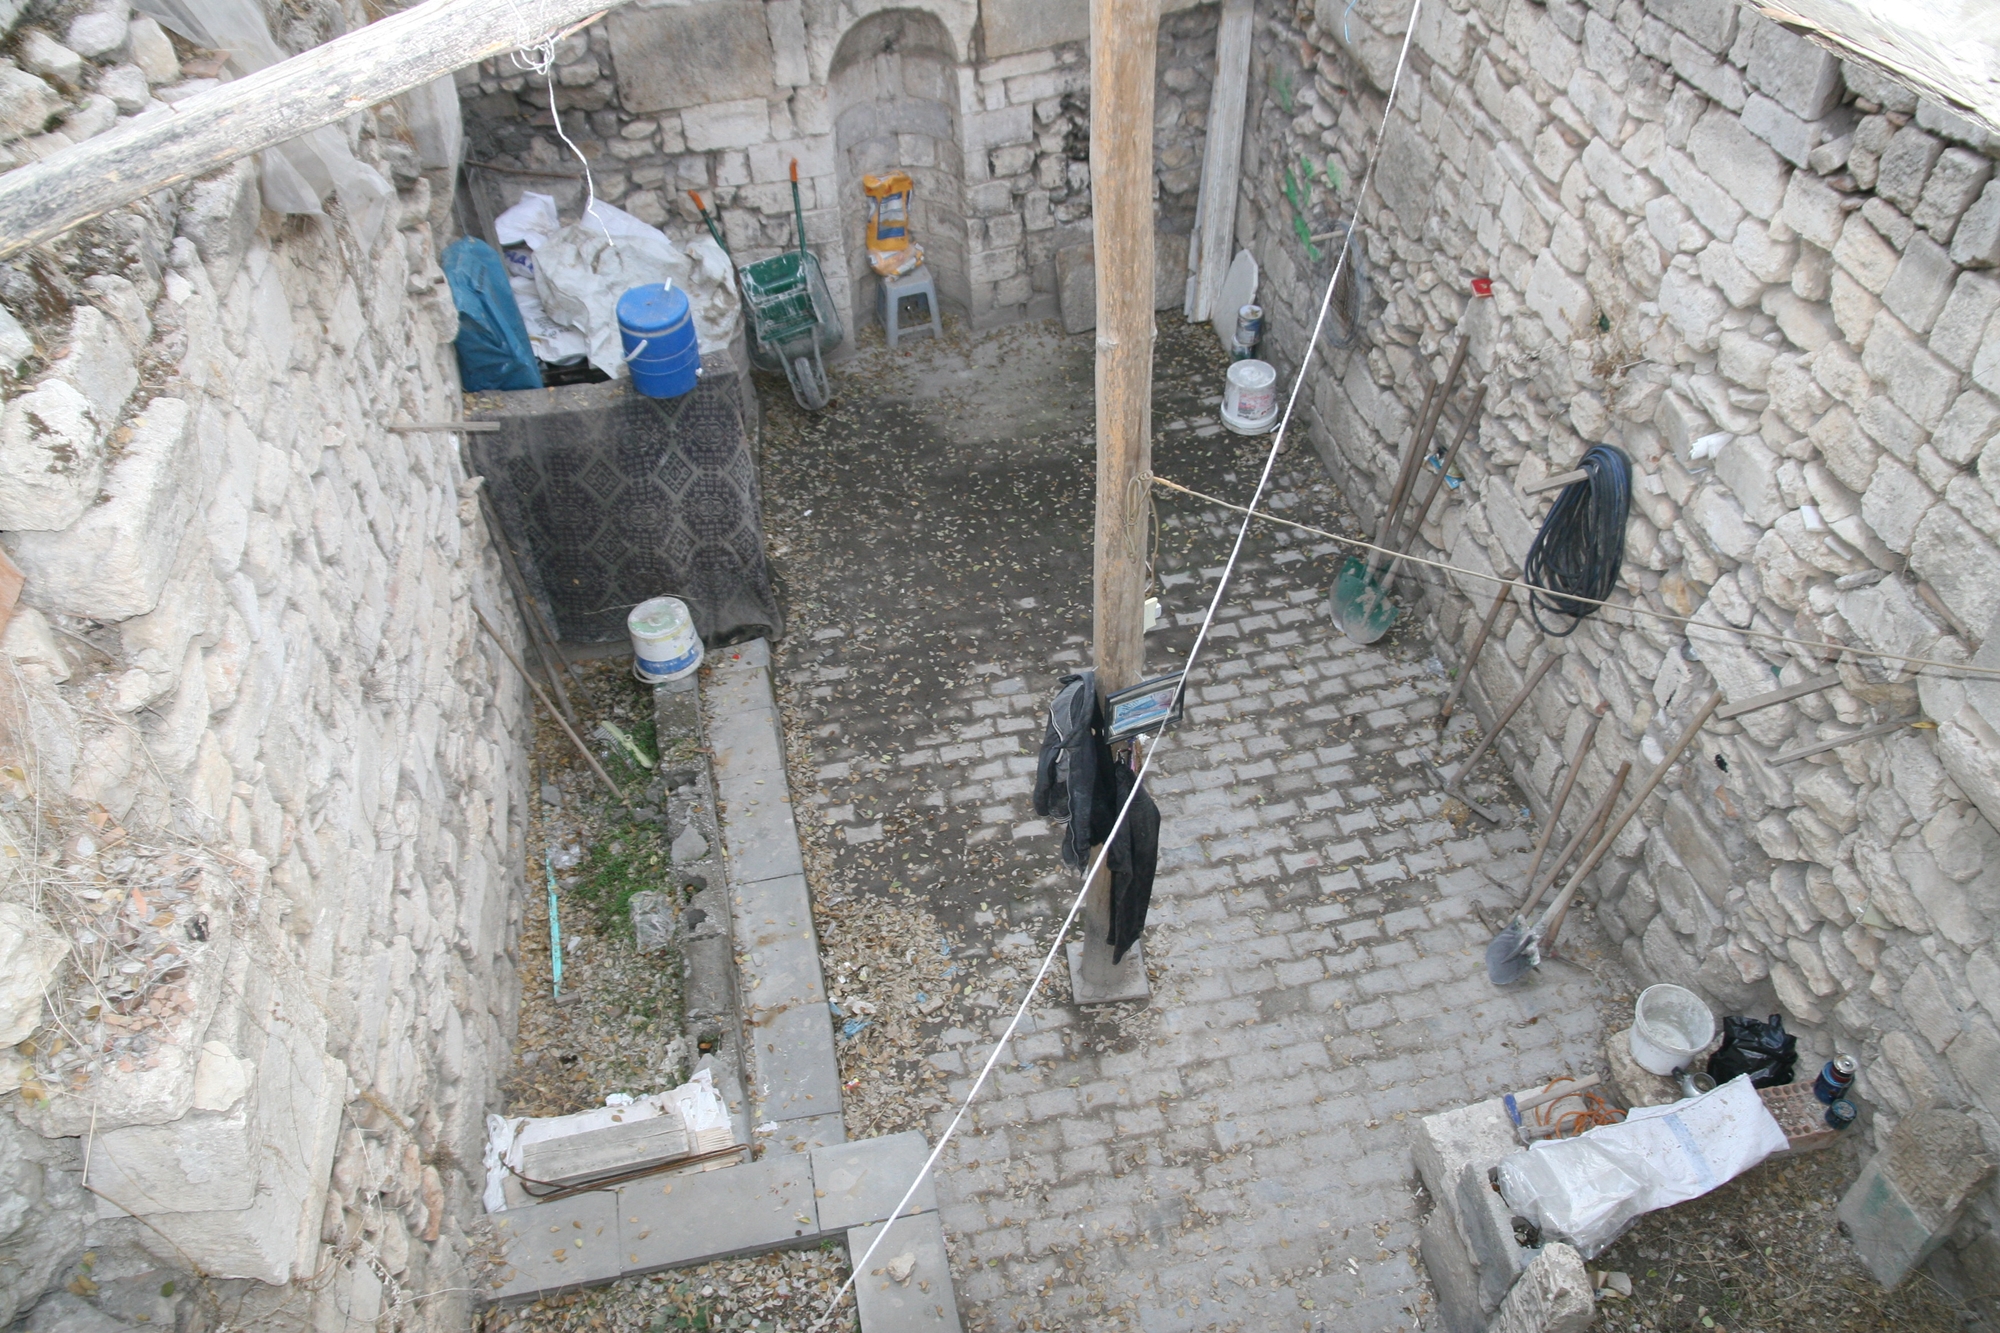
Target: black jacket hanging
{"type": "Point", "coordinates": [1080, 783]}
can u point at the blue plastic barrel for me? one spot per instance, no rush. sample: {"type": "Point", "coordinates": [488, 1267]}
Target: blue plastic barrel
{"type": "Point", "coordinates": [660, 347]}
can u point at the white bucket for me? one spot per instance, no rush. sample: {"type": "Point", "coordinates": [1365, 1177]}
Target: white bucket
{"type": "Point", "coordinates": [664, 644]}
{"type": "Point", "coordinates": [1670, 1027]}
{"type": "Point", "coordinates": [1250, 400]}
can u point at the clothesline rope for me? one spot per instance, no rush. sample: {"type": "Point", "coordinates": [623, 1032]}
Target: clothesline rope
{"type": "Point", "coordinates": [1160, 738]}
{"type": "Point", "coordinates": [1819, 645]}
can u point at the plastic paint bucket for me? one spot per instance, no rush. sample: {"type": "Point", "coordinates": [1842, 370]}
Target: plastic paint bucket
{"type": "Point", "coordinates": [664, 644]}
{"type": "Point", "coordinates": [658, 332]}
{"type": "Point", "coordinates": [1670, 1027]}
{"type": "Point", "coordinates": [1250, 400]}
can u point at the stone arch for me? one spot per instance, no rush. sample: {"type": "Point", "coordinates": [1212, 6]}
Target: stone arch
{"type": "Point", "coordinates": [893, 94]}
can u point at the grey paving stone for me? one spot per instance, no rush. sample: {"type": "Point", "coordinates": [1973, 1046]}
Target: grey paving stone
{"type": "Point", "coordinates": [757, 825]}
{"type": "Point", "coordinates": [687, 1219]}
{"type": "Point", "coordinates": [858, 1183]}
{"type": "Point", "coordinates": [924, 1303]}
{"type": "Point", "coordinates": [550, 1247]}
{"type": "Point", "coordinates": [797, 1075]}
{"type": "Point", "coordinates": [803, 1134]}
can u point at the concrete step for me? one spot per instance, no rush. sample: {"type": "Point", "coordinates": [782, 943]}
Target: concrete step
{"type": "Point", "coordinates": [892, 1299]}
{"type": "Point", "coordinates": [782, 1200]}
{"type": "Point", "coordinates": [794, 1073]}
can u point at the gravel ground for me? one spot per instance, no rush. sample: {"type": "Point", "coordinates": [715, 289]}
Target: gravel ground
{"type": "Point", "coordinates": [619, 1027]}
{"type": "Point", "coordinates": [1764, 1254]}
{"type": "Point", "coordinates": [768, 1293]}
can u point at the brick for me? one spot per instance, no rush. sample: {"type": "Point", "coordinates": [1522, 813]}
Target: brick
{"type": "Point", "coordinates": [1917, 381]}
{"type": "Point", "coordinates": [1922, 281]}
{"type": "Point", "coordinates": [1739, 162]}
{"type": "Point", "coordinates": [1976, 243]}
{"type": "Point", "coordinates": [1799, 76]}
{"type": "Point", "coordinates": [1813, 209]}
{"type": "Point", "coordinates": [1712, 23]}
{"type": "Point", "coordinates": [1906, 167]}
{"type": "Point", "coordinates": [1864, 254]}
{"type": "Point", "coordinates": [1960, 328]}
{"type": "Point", "coordinates": [1955, 182]}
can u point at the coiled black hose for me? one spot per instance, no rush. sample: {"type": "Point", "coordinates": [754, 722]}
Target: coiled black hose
{"type": "Point", "coordinates": [1581, 546]}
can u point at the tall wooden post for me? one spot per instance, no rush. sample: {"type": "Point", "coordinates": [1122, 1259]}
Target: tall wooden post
{"type": "Point", "coordinates": [1124, 39]}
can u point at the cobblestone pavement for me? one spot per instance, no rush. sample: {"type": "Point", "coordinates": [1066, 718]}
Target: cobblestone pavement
{"type": "Point", "coordinates": [1233, 1155]}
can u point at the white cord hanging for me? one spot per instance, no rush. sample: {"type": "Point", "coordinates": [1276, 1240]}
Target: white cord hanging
{"type": "Point", "coordinates": [540, 61]}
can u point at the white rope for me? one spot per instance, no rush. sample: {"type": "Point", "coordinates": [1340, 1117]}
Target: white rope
{"type": "Point", "coordinates": [1152, 751]}
{"type": "Point", "coordinates": [540, 60]}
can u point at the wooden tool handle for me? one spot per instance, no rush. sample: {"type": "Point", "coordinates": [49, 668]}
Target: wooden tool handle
{"type": "Point", "coordinates": [1513, 707]}
{"type": "Point", "coordinates": [1653, 780]}
{"type": "Point", "coordinates": [1472, 653]}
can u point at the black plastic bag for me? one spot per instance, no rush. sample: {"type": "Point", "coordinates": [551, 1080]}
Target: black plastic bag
{"type": "Point", "coordinates": [1761, 1049]}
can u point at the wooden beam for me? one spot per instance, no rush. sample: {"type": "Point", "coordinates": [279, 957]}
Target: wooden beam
{"type": "Point", "coordinates": [1221, 162]}
{"type": "Point", "coordinates": [1779, 696]}
{"type": "Point", "coordinates": [272, 106]}
{"type": "Point", "coordinates": [1124, 43]}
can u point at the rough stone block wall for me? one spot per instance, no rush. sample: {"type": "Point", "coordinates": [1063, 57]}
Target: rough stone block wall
{"type": "Point", "coordinates": [1767, 276]}
{"type": "Point", "coordinates": [261, 775]}
{"type": "Point", "coordinates": [751, 91]}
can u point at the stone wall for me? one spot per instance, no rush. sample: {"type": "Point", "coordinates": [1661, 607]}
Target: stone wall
{"type": "Point", "coordinates": [261, 774]}
{"type": "Point", "coordinates": [721, 96]}
{"type": "Point", "coordinates": [1766, 276]}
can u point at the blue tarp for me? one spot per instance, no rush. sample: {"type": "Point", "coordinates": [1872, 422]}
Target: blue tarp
{"type": "Point", "coordinates": [493, 348]}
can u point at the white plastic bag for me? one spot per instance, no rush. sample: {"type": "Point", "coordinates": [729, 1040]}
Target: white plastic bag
{"type": "Point", "coordinates": [299, 174]}
{"type": "Point", "coordinates": [1586, 1189]}
{"type": "Point", "coordinates": [531, 222]}
{"type": "Point", "coordinates": [584, 268]}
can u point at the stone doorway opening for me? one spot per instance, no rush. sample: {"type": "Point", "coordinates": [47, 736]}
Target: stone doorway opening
{"type": "Point", "coordinates": [894, 89]}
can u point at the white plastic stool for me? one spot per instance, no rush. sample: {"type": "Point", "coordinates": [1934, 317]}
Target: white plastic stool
{"type": "Point", "coordinates": [912, 286]}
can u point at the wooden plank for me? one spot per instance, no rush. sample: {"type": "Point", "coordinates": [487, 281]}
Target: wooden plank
{"type": "Point", "coordinates": [1866, 733]}
{"type": "Point", "coordinates": [600, 1153]}
{"type": "Point", "coordinates": [1786, 695]}
{"type": "Point", "coordinates": [1557, 482]}
{"type": "Point", "coordinates": [1221, 163]}
{"type": "Point", "coordinates": [278, 103]}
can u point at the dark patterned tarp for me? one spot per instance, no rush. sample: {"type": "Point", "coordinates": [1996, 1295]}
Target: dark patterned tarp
{"type": "Point", "coordinates": [610, 498]}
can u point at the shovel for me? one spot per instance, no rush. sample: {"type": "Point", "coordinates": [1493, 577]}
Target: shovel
{"type": "Point", "coordinates": [1377, 623]}
{"type": "Point", "coordinates": [1356, 601]}
{"type": "Point", "coordinates": [1450, 785]}
{"type": "Point", "coordinates": [1514, 951]}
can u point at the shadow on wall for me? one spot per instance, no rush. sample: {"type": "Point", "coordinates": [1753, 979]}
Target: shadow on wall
{"type": "Point", "coordinates": [892, 89]}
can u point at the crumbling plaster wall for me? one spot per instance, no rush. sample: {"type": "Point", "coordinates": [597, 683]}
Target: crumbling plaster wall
{"type": "Point", "coordinates": [1696, 224]}
{"type": "Point", "coordinates": [261, 773]}
{"type": "Point", "coordinates": [721, 95]}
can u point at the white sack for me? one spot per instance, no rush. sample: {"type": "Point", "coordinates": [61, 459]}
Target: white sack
{"type": "Point", "coordinates": [1586, 1190]}
{"type": "Point", "coordinates": [552, 342]}
{"type": "Point", "coordinates": [584, 268]}
{"type": "Point", "coordinates": [697, 1103]}
{"type": "Point", "coordinates": [530, 222]}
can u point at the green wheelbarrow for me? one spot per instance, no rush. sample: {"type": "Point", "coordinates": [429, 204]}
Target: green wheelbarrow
{"type": "Point", "coordinates": [791, 312]}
